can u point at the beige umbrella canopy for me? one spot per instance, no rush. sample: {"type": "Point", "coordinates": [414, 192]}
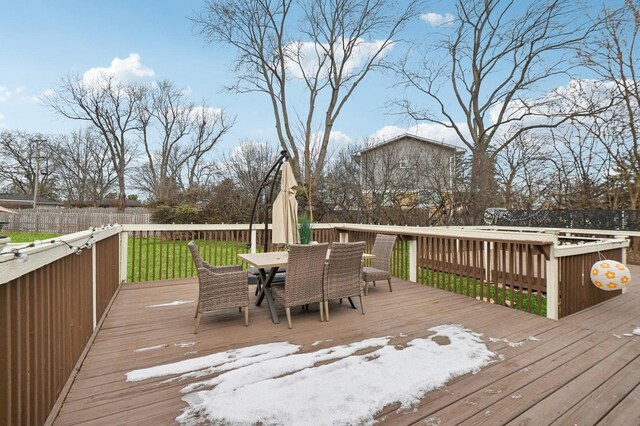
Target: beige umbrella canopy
{"type": "Point", "coordinates": [285, 209]}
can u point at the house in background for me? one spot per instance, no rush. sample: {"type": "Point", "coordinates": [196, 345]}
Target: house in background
{"type": "Point", "coordinates": [25, 201]}
{"type": "Point", "coordinates": [409, 171]}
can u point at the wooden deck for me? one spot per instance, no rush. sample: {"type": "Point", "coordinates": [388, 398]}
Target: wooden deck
{"type": "Point", "coordinates": [580, 370]}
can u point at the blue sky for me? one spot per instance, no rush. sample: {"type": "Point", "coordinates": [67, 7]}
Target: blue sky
{"type": "Point", "coordinates": [42, 41]}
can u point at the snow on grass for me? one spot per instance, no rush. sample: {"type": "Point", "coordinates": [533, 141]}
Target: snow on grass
{"type": "Point", "coordinates": [346, 384]}
{"type": "Point", "coordinates": [174, 303]}
{"type": "Point", "coordinates": [151, 348]}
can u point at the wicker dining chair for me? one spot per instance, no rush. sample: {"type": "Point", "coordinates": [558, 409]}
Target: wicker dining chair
{"type": "Point", "coordinates": [381, 264]}
{"type": "Point", "coordinates": [303, 282]}
{"type": "Point", "coordinates": [342, 273]}
{"type": "Point", "coordinates": [210, 280]}
{"type": "Point", "coordinates": [222, 290]}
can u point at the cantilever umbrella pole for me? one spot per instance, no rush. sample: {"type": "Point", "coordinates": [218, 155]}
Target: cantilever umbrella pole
{"type": "Point", "coordinates": [276, 166]}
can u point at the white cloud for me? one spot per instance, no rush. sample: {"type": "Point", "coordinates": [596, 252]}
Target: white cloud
{"type": "Point", "coordinates": [337, 137]}
{"type": "Point", "coordinates": [128, 69]}
{"type": "Point", "coordinates": [437, 19]}
{"type": "Point", "coordinates": [5, 94]}
{"type": "Point", "coordinates": [433, 131]}
{"type": "Point", "coordinates": [308, 56]}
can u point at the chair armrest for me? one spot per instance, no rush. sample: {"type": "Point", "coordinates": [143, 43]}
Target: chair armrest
{"type": "Point", "coordinates": [222, 269]}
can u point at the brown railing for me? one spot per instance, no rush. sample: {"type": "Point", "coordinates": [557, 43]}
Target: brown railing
{"type": "Point", "coordinates": [399, 256]}
{"type": "Point", "coordinates": [161, 255]}
{"type": "Point", "coordinates": [576, 290]}
{"type": "Point", "coordinates": [510, 273]}
{"type": "Point", "coordinates": [507, 273]}
{"type": "Point", "coordinates": [159, 252]}
{"type": "Point", "coordinates": [46, 319]}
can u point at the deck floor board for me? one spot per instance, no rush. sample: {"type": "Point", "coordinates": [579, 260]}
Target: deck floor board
{"type": "Point", "coordinates": [553, 372]}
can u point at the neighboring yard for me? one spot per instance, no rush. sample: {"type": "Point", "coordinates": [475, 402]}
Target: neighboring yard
{"type": "Point", "coordinates": [27, 237]}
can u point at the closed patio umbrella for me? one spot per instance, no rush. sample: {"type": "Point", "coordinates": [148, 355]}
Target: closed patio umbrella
{"type": "Point", "coordinates": [285, 209]}
{"type": "Point", "coordinates": [5, 210]}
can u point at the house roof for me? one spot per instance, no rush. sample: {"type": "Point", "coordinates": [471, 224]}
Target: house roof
{"type": "Point", "coordinates": [24, 199]}
{"type": "Point", "coordinates": [417, 138]}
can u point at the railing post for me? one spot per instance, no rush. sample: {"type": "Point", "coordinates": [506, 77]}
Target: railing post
{"type": "Point", "coordinates": [553, 298]}
{"type": "Point", "coordinates": [254, 237]}
{"type": "Point", "coordinates": [124, 253]}
{"type": "Point", "coordinates": [486, 246]}
{"type": "Point", "coordinates": [94, 278]}
{"type": "Point", "coordinates": [344, 237]}
{"type": "Point", "coordinates": [623, 260]}
{"type": "Point", "coordinates": [413, 260]}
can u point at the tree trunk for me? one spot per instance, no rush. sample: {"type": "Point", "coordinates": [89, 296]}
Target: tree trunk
{"type": "Point", "coordinates": [483, 185]}
{"type": "Point", "coordinates": [122, 197]}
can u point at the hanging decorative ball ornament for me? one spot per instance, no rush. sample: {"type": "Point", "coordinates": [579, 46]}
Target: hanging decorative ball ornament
{"type": "Point", "coordinates": [610, 275]}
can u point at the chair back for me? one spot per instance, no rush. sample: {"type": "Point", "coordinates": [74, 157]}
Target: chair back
{"type": "Point", "coordinates": [382, 248]}
{"type": "Point", "coordinates": [195, 254]}
{"type": "Point", "coordinates": [305, 270]}
{"type": "Point", "coordinates": [344, 270]}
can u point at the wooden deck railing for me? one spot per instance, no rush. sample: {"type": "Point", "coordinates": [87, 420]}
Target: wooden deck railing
{"type": "Point", "coordinates": [157, 252]}
{"type": "Point", "coordinates": [497, 268]}
{"type": "Point", "coordinates": [51, 304]}
{"type": "Point", "coordinates": [49, 307]}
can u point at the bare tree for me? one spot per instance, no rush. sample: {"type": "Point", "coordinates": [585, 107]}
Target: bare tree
{"type": "Point", "coordinates": [85, 173]}
{"type": "Point", "coordinates": [613, 55]}
{"type": "Point", "coordinates": [209, 126]}
{"type": "Point", "coordinates": [493, 61]}
{"type": "Point", "coordinates": [524, 172]}
{"type": "Point", "coordinates": [334, 47]}
{"type": "Point", "coordinates": [164, 124]}
{"type": "Point", "coordinates": [19, 153]}
{"type": "Point", "coordinates": [111, 107]}
{"type": "Point", "coordinates": [340, 196]}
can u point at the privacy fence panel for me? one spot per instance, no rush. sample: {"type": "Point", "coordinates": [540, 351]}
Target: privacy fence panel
{"type": "Point", "coordinates": [574, 280]}
{"type": "Point", "coordinates": [46, 320]}
{"type": "Point", "coordinates": [49, 306]}
{"type": "Point", "coordinates": [107, 269]}
{"type": "Point", "coordinates": [627, 220]}
{"type": "Point", "coordinates": [63, 221]}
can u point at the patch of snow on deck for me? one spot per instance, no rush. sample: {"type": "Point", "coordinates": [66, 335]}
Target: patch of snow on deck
{"type": "Point", "coordinates": [174, 303]}
{"type": "Point", "coordinates": [636, 331]}
{"type": "Point", "coordinates": [184, 344]}
{"type": "Point", "coordinates": [317, 342]}
{"type": "Point", "coordinates": [511, 344]}
{"type": "Point", "coordinates": [274, 384]}
{"type": "Point", "coordinates": [151, 348]}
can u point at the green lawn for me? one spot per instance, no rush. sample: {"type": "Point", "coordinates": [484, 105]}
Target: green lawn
{"type": "Point", "coordinates": [474, 288]}
{"type": "Point", "coordinates": [155, 258]}
{"type": "Point", "coordinates": [27, 237]}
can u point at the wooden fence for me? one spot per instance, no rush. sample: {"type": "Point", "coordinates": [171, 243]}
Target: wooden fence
{"type": "Point", "coordinates": [64, 221]}
{"type": "Point", "coordinates": [47, 316]}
